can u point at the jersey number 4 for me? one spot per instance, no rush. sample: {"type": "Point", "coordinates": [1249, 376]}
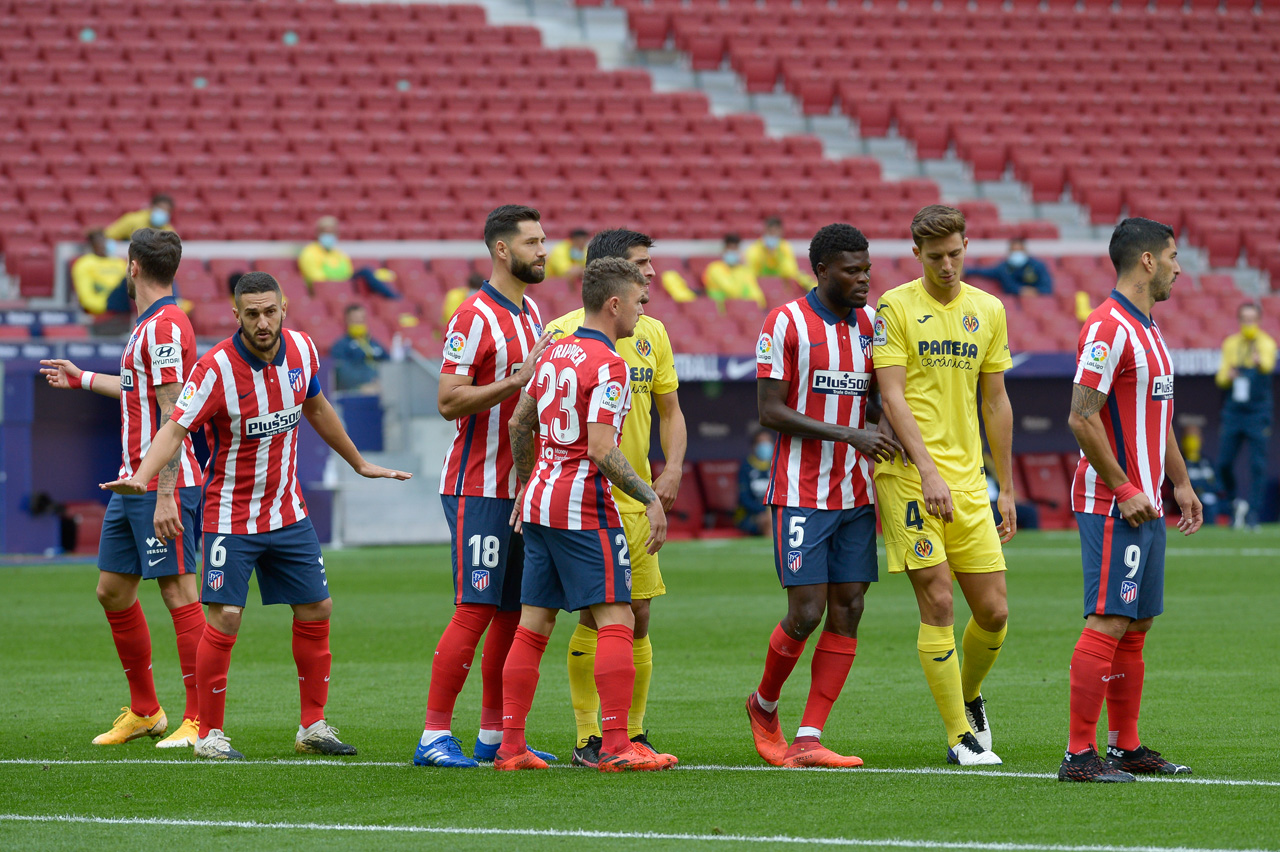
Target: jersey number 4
{"type": "Point", "coordinates": [913, 518]}
{"type": "Point", "coordinates": [565, 428]}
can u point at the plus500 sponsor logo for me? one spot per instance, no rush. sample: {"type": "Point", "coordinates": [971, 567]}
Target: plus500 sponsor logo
{"type": "Point", "coordinates": [274, 423]}
{"type": "Point", "coordinates": [1162, 387]}
{"type": "Point", "coordinates": [841, 382]}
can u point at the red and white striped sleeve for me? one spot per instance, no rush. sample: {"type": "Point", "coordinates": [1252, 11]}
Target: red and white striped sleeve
{"type": "Point", "coordinates": [775, 350]}
{"type": "Point", "coordinates": [464, 343]}
{"type": "Point", "coordinates": [162, 354]}
{"type": "Point", "coordinates": [1102, 350]}
{"type": "Point", "coordinates": [200, 398]}
{"type": "Point", "coordinates": [611, 396]}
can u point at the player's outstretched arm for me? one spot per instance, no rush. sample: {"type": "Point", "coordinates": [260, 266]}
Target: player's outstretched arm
{"type": "Point", "coordinates": [167, 519]}
{"type": "Point", "coordinates": [523, 430]}
{"type": "Point", "coordinates": [325, 421]}
{"type": "Point", "coordinates": [674, 435]}
{"type": "Point", "coordinates": [62, 374]}
{"type": "Point", "coordinates": [1091, 435]}
{"type": "Point", "coordinates": [459, 396]}
{"type": "Point", "coordinates": [1188, 502]}
{"type": "Point", "coordinates": [602, 449]}
{"type": "Point", "coordinates": [893, 397]}
{"type": "Point", "coordinates": [997, 416]}
{"type": "Point", "coordinates": [775, 414]}
{"type": "Point", "coordinates": [164, 446]}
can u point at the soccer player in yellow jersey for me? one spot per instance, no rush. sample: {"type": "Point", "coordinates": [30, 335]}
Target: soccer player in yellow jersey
{"type": "Point", "coordinates": [937, 340]}
{"type": "Point", "coordinates": [653, 382]}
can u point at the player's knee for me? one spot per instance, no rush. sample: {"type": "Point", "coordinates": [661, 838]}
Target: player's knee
{"type": "Point", "coordinates": [112, 597]}
{"type": "Point", "coordinates": [318, 611]}
{"type": "Point", "coordinates": [1141, 625]}
{"type": "Point", "coordinates": [804, 618]}
{"type": "Point", "coordinates": [640, 611]}
{"type": "Point", "coordinates": [994, 618]}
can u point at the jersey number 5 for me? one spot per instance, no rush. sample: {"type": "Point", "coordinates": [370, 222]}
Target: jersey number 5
{"type": "Point", "coordinates": [565, 428]}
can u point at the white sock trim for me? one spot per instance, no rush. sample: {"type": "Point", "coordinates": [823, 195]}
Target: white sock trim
{"type": "Point", "coordinates": [766, 706]}
{"type": "Point", "coordinates": [490, 737]}
{"type": "Point", "coordinates": [809, 732]}
{"type": "Point", "coordinates": [429, 736]}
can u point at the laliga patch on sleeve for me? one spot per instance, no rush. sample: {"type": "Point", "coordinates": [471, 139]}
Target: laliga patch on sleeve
{"type": "Point", "coordinates": [882, 332]}
{"type": "Point", "coordinates": [611, 398]}
{"type": "Point", "coordinates": [1094, 357]}
{"type": "Point", "coordinates": [188, 391]}
{"type": "Point", "coordinates": [764, 349]}
{"type": "Point", "coordinates": [165, 355]}
{"type": "Point", "coordinates": [454, 346]}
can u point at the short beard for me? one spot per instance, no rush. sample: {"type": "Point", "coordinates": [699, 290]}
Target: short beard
{"type": "Point", "coordinates": [131, 288]}
{"type": "Point", "coordinates": [252, 341]}
{"type": "Point", "coordinates": [527, 272]}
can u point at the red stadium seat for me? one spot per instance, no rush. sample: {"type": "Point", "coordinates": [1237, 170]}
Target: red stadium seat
{"type": "Point", "coordinates": [685, 520]}
{"type": "Point", "coordinates": [1049, 487]}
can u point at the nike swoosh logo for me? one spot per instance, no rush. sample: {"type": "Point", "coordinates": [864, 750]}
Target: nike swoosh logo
{"type": "Point", "coordinates": [816, 342]}
{"type": "Point", "coordinates": [944, 659]}
{"type": "Point", "coordinates": [925, 318]}
{"type": "Point", "coordinates": [578, 653]}
{"type": "Point", "coordinates": [216, 690]}
{"type": "Point", "coordinates": [151, 562]}
{"type": "Point", "coordinates": [996, 648]}
{"type": "Point", "coordinates": [243, 395]}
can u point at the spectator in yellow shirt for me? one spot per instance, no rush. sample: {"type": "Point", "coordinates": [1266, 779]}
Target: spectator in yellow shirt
{"type": "Point", "coordinates": [771, 256]}
{"type": "Point", "coordinates": [569, 258]}
{"type": "Point", "coordinates": [455, 297]}
{"type": "Point", "coordinates": [99, 277]}
{"type": "Point", "coordinates": [323, 261]}
{"type": "Point", "coordinates": [1248, 362]}
{"type": "Point", "coordinates": [731, 278]}
{"type": "Point", "coordinates": [159, 216]}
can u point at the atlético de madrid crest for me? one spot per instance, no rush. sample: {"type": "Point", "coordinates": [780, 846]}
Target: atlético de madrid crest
{"type": "Point", "coordinates": [296, 381]}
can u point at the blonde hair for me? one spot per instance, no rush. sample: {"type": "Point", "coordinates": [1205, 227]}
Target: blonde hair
{"type": "Point", "coordinates": [936, 220]}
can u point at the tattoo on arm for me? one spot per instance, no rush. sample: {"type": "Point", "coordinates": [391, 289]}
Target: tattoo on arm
{"type": "Point", "coordinates": [620, 472]}
{"type": "Point", "coordinates": [167, 396]}
{"type": "Point", "coordinates": [524, 426]}
{"type": "Point", "coordinates": [1086, 401]}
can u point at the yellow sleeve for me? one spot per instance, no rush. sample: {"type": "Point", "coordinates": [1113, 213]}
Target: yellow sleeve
{"type": "Point", "coordinates": [558, 262]}
{"type": "Point", "coordinates": [755, 257]}
{"type": "Point", "coordinates": [890, 339]}
{"type": "Point", "coordinates": [311, 263]}
{"type": "Point", "coordinates": [1223, 377]}
{"type": "Point", "coordinates": [562, 325]}
{"type": "Point", "coordinates": [791, 269]}
{"type": "Point", "coordinates": [665, 379]}
{"type": "Point", "coordinates": [92, 298]}
{"type": "Point", "coordinates": [715, 278]}
{"type": "Point", "coordinates": [1266, 353]}
{"type": "Point", "coordinates": [998, 358]}
{"type": "Point", "coordinates": [749, 286]}
{"type": "Point", "coordinates": [123, 228]}
{"type": "Point", "coordinates": [677, 288]}
{"type": "Point", "coordinates": [452, 300]}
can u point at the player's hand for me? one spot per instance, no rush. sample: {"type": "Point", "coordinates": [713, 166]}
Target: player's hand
{"type": "Point", "coordinates": [874, 444]}
{"type": "Point", "coordinates": [884, 427]}
{"type": "Point", "coordinates": [525, 373]}
{"type": "Point", "coordinates": [167, 520]}
{"type": "Point", "coordinates": [1137, 510]}
{"type": "Point", "coordinates": [517, 515]}
{"type": "Point", "coordinates": [60, 373]}
{"type": "Point", "coordinates": [1192, 509]}
{"type": "Point", "coordinates": [667, 486]}
{"type": "Point", "coordinates": [374, 471]}
{"type": "Point", "coordinates": [125, 486]}
{"type": "Point", "coordinates": [937, 496]}
{"type": "Point", "coordinates": [657, 526]}
{"type": "Point", "coordinates": [1008, 526]}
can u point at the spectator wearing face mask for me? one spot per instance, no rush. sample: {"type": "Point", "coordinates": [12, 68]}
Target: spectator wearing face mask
{"type": "Point", "coordinates": [323, 262]}
{"type": "Point", "coordinates": [1248, 361]}
{"type": "Point", "coordinates": [1019, 273]}
{"type": "Point", "coordinates": [99, 277]}
{"type": "Point", "coordinates": [356, 354]}
{"type": "Point", "coordinates": [569, 258]}
{"type": "Point", "coordinates": [159, 216]}
{"type": "Point", "coordinates": [729, 277]}
{"type": "Point", "coordinates": [753, 482]}
{"type": "Point", "coordinates": [771, 256]}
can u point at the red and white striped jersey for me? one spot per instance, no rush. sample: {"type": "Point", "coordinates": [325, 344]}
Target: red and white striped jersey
{"type": "Point", "coordinates": [580, 379]}
{"type": "Point", "coordinates": [1122, 354]}
{"type": "Point", "coordinates": [250, 410]}
{"type": "Point", "coordinates": [488, 340]}
{"type": "Point", "coordinates": [161, 351]}
{"type": "Point", "coordinates": [827, 362]}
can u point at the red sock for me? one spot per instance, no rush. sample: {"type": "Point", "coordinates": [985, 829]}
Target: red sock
{"type": "Point", "coordinates": [133, 644]}
{"type": "Point", "coordinates": [784, 653]}
{"type": "Point", "coordinates": [313, 659]}
{"type": "Point", "coordinates": [1090, 667]}
{"type": "Point", "coordinates": [188, 625]}
{"type": "Point", "coordinates": [213, 659]}
{"type": "Point", "coordinates": [497, 642]}
{"type": "Point", "coordinates": [615, 682]}
{"type": "Point", "coordinates": [452, 662]}
{"type": "Point", "coordinates": [831, 662]}
{"type": "Point", "coordinates": [1124, 691]}
{"type": "Point", "coordinates": [520, 676]}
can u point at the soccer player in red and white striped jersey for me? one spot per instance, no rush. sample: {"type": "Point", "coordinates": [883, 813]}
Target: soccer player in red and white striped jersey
{"type": "Point", "coordinates": [576, 552]}
{"type": "Point", "coordinates": [250, 392]}
{"type": "Point", "coordinates": [137, 529]}
{"type": "Point", "coordinates": [490, 348]}
{"type": "Point", "coordinates": [1122, 417]}
{"type": "Point", "coordinates": [815, 388]}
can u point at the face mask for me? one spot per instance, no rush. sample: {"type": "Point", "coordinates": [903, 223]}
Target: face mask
{"type": "Point", "coordinates": [733, 258]}
{"type": "Point", "coordinates": [576, 253]}
{"type": "Point", "coordinates": [1018, 258]}
{"type": "Point", "coordinates": [764, 452]}
{"type": "Point", "coordinates": [109, 248]}
{"type": "Point", "coordinates": [358, 329]}
{"type": "Point", "coordinates": [772, 241]}
{"type": "Point", "coordinates": [1249, 331]}
{"type": "Point", "coordinates": [1191, 447]}
{"type": "Point", "coordinates": [159, 217]}
{"type": "Point", "coordinates": [328, 241]}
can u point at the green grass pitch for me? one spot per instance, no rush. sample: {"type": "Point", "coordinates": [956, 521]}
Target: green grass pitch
{"type": "Point", "coordinates": [1211, 701]}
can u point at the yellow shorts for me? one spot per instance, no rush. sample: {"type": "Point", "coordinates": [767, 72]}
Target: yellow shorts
{"type": "Point", "coordinates": [915, 539]}
{"type": "Point", "coordinates": [646, 579]}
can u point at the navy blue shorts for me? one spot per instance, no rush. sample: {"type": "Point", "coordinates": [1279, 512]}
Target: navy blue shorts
{"type": "Point", "coordinates": [487, 557]}
{"type": "Point", "coordinates": [129, 544]}
{"type": "Point", "coordinates": [812, 546]}
{"type": "Point", "coordinates": [288, 560]}
{"type": "Point", "coordinates": [574, 569]}
{"type": "Point", "coordinates": [1123, 566]}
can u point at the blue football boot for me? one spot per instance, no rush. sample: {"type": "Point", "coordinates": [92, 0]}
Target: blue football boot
{"type": "Point", "coordinates": [443, 751]}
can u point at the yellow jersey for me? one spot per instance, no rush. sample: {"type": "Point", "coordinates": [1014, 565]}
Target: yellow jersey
{"type": "Point", "coordinates": [561, 262]}
{"type": "Point", "coordinates": [944, 348]}
{"type": "Point", "coordinates": [95, 278]}
{"type": "Point", "coordinates": [123, 228]}
{"type": "Point", "coordinates": [653, 370]}
{"type": "Point", "coordinates": [317, 263]}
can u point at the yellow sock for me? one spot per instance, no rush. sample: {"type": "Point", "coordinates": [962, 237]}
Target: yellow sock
{"type": "Point", "coordinates": [643, 656]}
{"type": "Point", "coordinates": [582, 683]}
{"type": "Point", "coordinates": [980, 651]}
{"type": "Point", "coordinates": [937, 647]}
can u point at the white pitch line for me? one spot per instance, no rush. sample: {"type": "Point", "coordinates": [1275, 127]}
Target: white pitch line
{"type": "Point", "coordinates": [695, 767]}
{"type": "Point", "coordinates": [603, 835]}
